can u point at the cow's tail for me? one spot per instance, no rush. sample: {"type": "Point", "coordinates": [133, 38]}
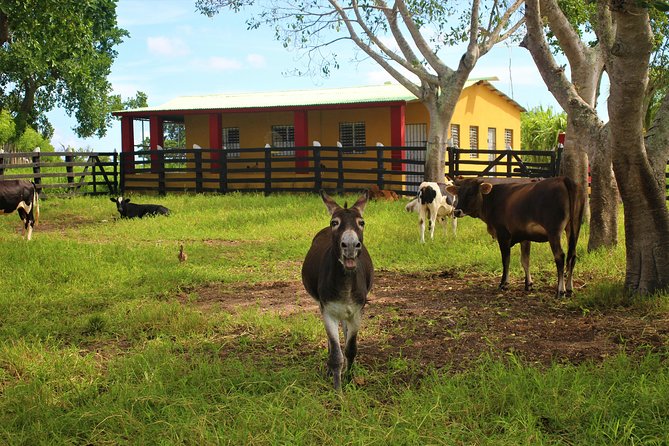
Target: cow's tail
{"type": "Point", "coordinates": [576, 209]}
{"type": "Point", "coordinates": [35, 204]}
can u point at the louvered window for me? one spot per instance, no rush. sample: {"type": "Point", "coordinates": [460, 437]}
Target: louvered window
{"type": "Point", "coordinates": [455, 135]}
{"type": "Point", "coordinates": [474, 139]}
{"type": "Point", "coordinates": [231, 141]}
{"type": "Point", "coordinates": [283, 137]}
{"type": "Point", "coordinates": [352, 136]}
{"type": "Point", "coordinates": [508, 138]}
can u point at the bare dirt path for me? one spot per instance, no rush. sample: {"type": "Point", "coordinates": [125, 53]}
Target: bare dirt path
{"type": "Point", "coordinates": [439, 319]}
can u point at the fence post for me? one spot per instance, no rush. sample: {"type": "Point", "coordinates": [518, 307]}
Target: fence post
{"type": "Point", "coordinates": [160, 161]}
{"type": "Point", "coordinates": [380, 180]}
{"type": "Point", "coordinates": [37, 177]}
{"type": "Point", "coordinates": [198, 171]}
{"type": "Point", "coordinates": [318, 176]}
{"type": "Point", "coordinates": [268, 170]}
{"type": "Point", "coordinates": [509, 165]}
{"type": "Point", "coordinates": [123, 166]}
{"type": "Point", "coordinates": [2, 161]}
{"type": "Point", "coordinates": [223, 172]}
{"type": "Point", "coordinates": [69, 159]}
{"type": "Point", "coordinates": [115, 159]}
{"type": "Point", "coordinates": [94, 163]}
{"type": "Point", "coordinates": [340, 170]}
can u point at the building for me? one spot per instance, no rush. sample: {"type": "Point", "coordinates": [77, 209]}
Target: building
{"type": "Point", "coordinates": [292, 121]}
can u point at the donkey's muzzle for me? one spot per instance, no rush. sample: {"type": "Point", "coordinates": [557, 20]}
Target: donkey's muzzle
{"type": "Point", "coordinates": [350, 246]}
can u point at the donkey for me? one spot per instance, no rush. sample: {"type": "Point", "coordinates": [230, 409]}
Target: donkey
{"type": "Point", "coordinates": [337, 272]}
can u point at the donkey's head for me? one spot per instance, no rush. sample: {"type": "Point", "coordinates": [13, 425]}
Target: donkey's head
{"type": "Point", "coordinates": [347, 227]}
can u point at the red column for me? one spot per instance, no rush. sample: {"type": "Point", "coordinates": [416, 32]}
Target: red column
{"type": "Point", "coordinates": [215, 138]}
{"type": "Point", "coordinates": [301, 126]}
{"type": "Point", "coordinates": [156, 138]}
{"type": "Point", "coordinates": [397, 136]}
{"type": "Point", "coordinates": [127, 143]}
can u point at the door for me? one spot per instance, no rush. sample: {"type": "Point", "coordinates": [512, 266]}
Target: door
{"type": "Point", "coordinates": [415, 136]}
{"type": "Point", "coordinates": [492, 145]}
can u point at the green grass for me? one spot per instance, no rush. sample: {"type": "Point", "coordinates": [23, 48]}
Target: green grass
{"type": "Point", "coordinates": [95, 347]}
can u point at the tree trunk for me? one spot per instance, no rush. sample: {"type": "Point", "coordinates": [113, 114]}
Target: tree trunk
{"type": "Point", "coordinates": [645, 208]}
{"type": "Point", "coordinates": [440, 112]}
{"type": "Point", "coordinates": [603, 201]}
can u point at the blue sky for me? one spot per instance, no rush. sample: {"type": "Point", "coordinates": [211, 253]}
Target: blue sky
{"type": "Point", "coordinates": [173, 51]}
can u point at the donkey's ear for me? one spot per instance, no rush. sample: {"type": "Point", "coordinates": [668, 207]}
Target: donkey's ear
{"type": "Point", "coordinates": [329, 202]}
{"type": "Point", "coordinates": [362, 202]}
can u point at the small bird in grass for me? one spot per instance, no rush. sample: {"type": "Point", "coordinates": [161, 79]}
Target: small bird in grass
{"type": "Point", "coordinates": [182, 255]}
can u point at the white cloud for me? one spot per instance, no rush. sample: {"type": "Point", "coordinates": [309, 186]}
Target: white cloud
{"type": "Point", "coordinates": [223, 64]}
{"type": "Point", "coordinates": [167, 46]}
{"type": "Point", "coordinates": [256, 60]}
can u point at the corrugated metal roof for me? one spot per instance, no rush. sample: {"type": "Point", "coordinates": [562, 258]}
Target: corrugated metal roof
{"type": "Point", "coordinates": [295, 98]}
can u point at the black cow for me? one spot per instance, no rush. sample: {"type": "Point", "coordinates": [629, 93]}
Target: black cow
{"type": "Point", "coordinates": [521, 212]}
{"type": "Point", "coordinates": [132, 210]}
{"type": "Point", "coordinates": [21, 196]}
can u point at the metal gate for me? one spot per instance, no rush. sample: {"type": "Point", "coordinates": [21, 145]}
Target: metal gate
{"type": "Point", "coordinates": [416, 136]}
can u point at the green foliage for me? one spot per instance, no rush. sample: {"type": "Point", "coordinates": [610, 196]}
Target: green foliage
{"type": "Point", "coordinates": [58, 53]}
{"type": "Point", "coordinates": [27, 142]}
{"type": "Point", "coordinates": [539, 128]}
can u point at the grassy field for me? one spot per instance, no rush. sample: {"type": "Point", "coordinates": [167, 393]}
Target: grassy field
{"type": "Point", "coordinates": [98, 344]}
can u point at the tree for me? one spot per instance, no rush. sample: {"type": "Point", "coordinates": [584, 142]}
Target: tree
{"type": "Point", "coordinates": [58, 53]}
{"type": "Point", "coordinates": [639, 159]}
{"type": "Point", "coordinates": [26, 142]}
{"type": "Point", "coordinates": [313, 26]}
{"type": "Point", "coordinates": [586, 141]}
{"type": "Point", "coordinates": [624, 45]}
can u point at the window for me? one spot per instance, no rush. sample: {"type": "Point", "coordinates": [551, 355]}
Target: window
{"type": "Point", "coordinates": [474, 139]}
{"type": "Point", "coordinates": [492, 138]}
{"type": "Point", "coordinates": [352, 136]}
{"type": "Point", "coordinates": [455, 135]}
{"type": "Point", "coordinates": [508, 138]}
{"type": "Point", "coordinates": [231, 141]}
{"type": "Point", "coordinates": [416, 135]}
{"type": "Point", "coordinates": [283, 137]}
{"type": "Point", "coordinates": [174, 135]}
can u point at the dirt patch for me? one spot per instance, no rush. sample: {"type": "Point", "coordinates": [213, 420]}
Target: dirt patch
{"type": "Point", "coordinates": [441, 319]}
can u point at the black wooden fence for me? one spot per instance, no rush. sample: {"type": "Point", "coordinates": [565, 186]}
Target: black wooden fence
{"type": "Point", "coordinates": [63, 173]}
{"type": "Point", "coordinates": [260, 169]}
{"type": "Point", "coordinates": [310, 168]}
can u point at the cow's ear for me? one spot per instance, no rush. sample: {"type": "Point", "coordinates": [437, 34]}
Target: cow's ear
{"type": "Point", "coordinates": [453, 190]}
{"type": "Point", "coordinates": [329, 202]}
{"type": "Point", "coordinates": [485, 188]}
{"type": "Point", "coordinates": [113, 200]}
{"type": "Point", "coordinates": [127, 200]}
{"type": "Point", "coordinates": [362, 202]}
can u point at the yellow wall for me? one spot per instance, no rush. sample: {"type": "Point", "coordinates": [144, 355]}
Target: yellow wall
{"type": "Point", "coordinates": [478, 106]}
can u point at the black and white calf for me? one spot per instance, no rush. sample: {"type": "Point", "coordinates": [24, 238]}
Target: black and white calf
{"type": "Point", "coordinates": [21, 196]}
{"type": "Point", "coordinates": [338, 272]}
{"type": "Point", "coordinates": [132, 210]}
{"type": "Point", "coordinates": [433, 203]}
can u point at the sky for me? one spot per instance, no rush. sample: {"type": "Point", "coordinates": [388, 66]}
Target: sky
{"type": "Point", "coordinates": [173, 50]}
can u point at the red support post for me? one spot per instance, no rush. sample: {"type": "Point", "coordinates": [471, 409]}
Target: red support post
{"type": "Point", "coordinates": [127, 144]}
{"type": "Point", "coordinates": [397, 135]}
{"type": "Point", "coordinates": [301, 126]}
{"type": "Point", "coordinates": [215, 138]}
{"type": "Point", "coordinates": [156, 138]}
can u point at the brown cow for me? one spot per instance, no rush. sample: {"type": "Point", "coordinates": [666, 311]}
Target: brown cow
{"type": "Point", "coordinates": [518, 212]}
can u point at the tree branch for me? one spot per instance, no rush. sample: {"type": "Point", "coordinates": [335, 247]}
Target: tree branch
{"type": "Point", "coordinates": [437, 65]}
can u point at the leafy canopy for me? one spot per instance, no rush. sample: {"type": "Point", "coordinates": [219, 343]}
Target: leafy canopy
{"type": "Point", "coordinates": [58, 53]}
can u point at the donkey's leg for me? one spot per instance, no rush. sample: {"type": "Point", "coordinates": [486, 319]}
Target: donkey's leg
{"type": "Point", "coordinates": [351, 334]}
{"type": "Point", "coordinates": [335, 356]}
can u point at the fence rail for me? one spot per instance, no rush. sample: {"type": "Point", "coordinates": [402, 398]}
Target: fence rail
{"type": "Point", "coordinates": [63, 173]}
{"type": "Point", "coordinates": [265, 170]}
{"type": "Point", "coordinates": [311, 168]}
